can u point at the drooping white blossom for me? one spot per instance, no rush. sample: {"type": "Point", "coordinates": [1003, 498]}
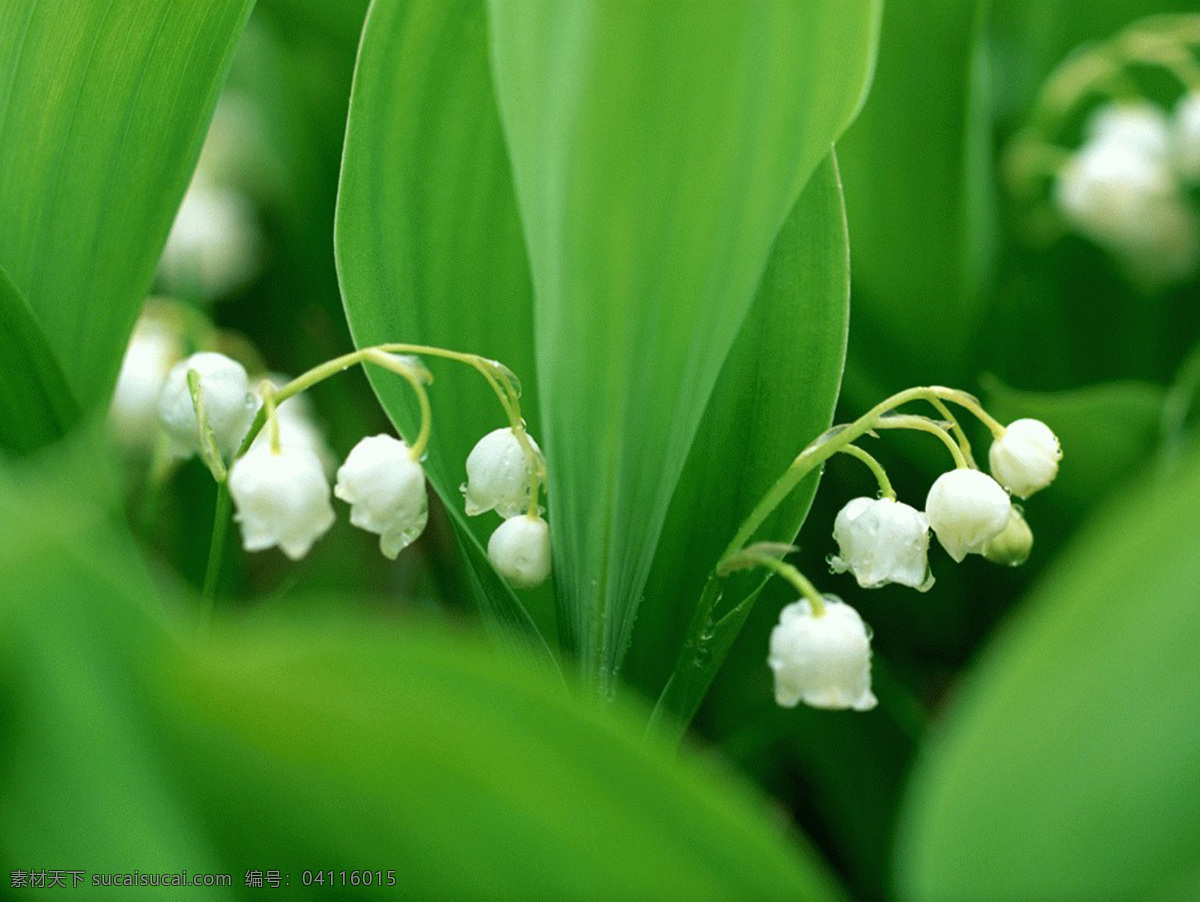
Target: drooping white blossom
{"type": "Point", "coordinates": [214, 245]}
{"type": "Point", "coordinates": [1024, 459]}
{"type": "Point", "coordinates": [153, 349]}
{"type": "Point", "coordinates": [297, 425]}
{"type": "Point", "coordinates": [520, 550]}
{"type": "Point", "coordinates": [385, 489]}
{"type": "Point", "coordinates": [822, 661]}
{"type": "Point", "coordinates": [882, 541]}
{"type": "Point", "coordinates": [281, 499]}
{"type": "Point", "coordinates": [499, 477]}
{"type": "Point", "coordinates": [966, 508]}
{"type": "Point", "coordinates": [228, 403]}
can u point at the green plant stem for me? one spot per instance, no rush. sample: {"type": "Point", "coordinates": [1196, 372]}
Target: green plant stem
{"type": "Point", "coordinates": [216, 554]}
{"type": "Point", "coordinates": [924, 424]}
{"type": "Point", "coordinates": [885, 484]}
{"type": "Point", "coordinates": [751, 557]}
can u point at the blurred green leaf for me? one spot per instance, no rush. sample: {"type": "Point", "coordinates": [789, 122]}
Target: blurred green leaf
{"type": "Point", "coordinates": [1109, 434]}
{"type": "Point", "coordinates": [105, 105]}
{"type": "Point", "coordinates": [428, 242]}
{"type": "Point", "coordinates": [776, 392]}
{"type": "Point", "coordinates": [918, 199]}
{"type": "Point", "coordinates": [656, 156]}
{"type": "Point", "coordinates": [1067, 766]}
{"type": "Point", "coordinates": [331, 743]}
{"type": "Point", "coordinates": [36, 406]}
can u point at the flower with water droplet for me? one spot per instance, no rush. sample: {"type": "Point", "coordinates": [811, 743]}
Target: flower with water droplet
{"type": "Point", "coordinates": [1024, 459]}
{"type": "Point", "coordinates": [153, 349]}
{"type": "Point", "coordinates": [520, 550]}
{"type": "Point", "coordinates": [822, 660]}
{"type": "Point", "coordinates": [386, 491]}
{"type": "Point", "coordinates": [966, 508]}
{"type": "Point", "coordinates": [498, 475]}
{"type": "Point", "coordinates": [228, 403]}
{"type": "Point", "coordinates": [882, 541]}
{"type": "Point", "coordinates": [282, 498]}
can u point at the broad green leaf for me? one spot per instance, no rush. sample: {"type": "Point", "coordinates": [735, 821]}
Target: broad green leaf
{"type": "Point", "coordinates": [330, 743]}
{"type": "Point", "coordinates": [81, 778]}
{"type": "Point", "coordinates": [36, 406]}
{"type": "Point", "coordinates": [103, 106]}
{"type": "Point", "coordinates": [776, 392]}
{"type": "Point", "coordinates": [428, 242]}
{"type": "Point", "coordinates": [1109, 434]}
{"type": "Point", "coordinates": [656, 155]}
{"type": "Point", "coordinates": [1066, 766]}
{"type": "Point", "coordinates": [917, 177]}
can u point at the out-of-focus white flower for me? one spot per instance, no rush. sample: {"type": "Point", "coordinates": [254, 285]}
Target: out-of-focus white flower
{"type": "Point", "coordinates": [1012, 547]}
{"type": "Point", "coordinates": [882, 541]}
{"type": "Point", "coordinates": [227, 401]}
{"type": "Point", "coordinates": [1120, 190]}
{"type": "Point", "coordinates": [822, 661]}
{"type": "Point", "coordinates": [498, 475]}
{"type": "Point", "coordinates": [214, 244]}
{"type": "Point", "coordinates": [520, 550]}
{"type": "Point", "coordinates": [1025, 457]}
{"type": "Point", "coordinates": [385, 489]}
{"type": "Point", "coordinates": [1140, 126]}
{"type": "Point", "coordinates": [966, 508]}
{"type": "Point", "coordinates": [282, 498]}
{"type": "Point", "coordinates": [1185, 137]}
{"type": "Point", "coordinates": [153, 349]}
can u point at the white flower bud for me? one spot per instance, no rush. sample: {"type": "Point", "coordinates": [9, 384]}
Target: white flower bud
{"type": "Point", "coordinates": [882, 541]}
{"type": "Point", "coordinates": [520, 550]}
{"type": "Point", "coordinates": [1025, 458]}
{"type": "Point", "coordinates": [153, 349]}
{"type": "Point", "coordinates": [823, 661]}
{"type": "Point", "coordinates": [386, 491]}
{"type": "Point", "coordinates": [1185, 137]}
{"type": "Point", "coordinates": [281, 499]}
{"type": "Point", "coordinates": [498, 475]}
{"type": "Point", "coordinates": [1012, 547]}
{"type": "Point", "coordinates": [227, 401]}
{"type": "Point", "coordinates": [966, 508]}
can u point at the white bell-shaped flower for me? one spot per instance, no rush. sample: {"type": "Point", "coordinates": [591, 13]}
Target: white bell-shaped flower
{"type": "Point", "coordinates": [498, 475]}
{"type": "Point", "coordinates": [227, 401]}
{"type": "Point", "coordinates": [153, 349]}
{"type": "Point", "coordinates": [1185, 137]}
{"type": "Point", "coordinates": [822, 661]}
{"type": "Point", "coordinates": [281, 498]}
{"type": "Point", "coordinates": [882, 541]}
{"type": "Point", "coordinates": [1025, 457]}
{"type": "Point", "coordinates": [966, 508]}
{"type": "Point", "coordinates": [520, 550]}
{"type": "Point", "coordinates": [385, 489]}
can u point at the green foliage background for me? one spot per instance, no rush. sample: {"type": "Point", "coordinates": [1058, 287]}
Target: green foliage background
{"type": "Point", "coordinates": [640, 212]}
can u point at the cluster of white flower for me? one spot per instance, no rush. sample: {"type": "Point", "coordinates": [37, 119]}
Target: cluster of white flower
{"type": "Point", "coordinates": [205, 405]}
{"type": "Point", "coordinates": [1125, 187]}
{"type": "Point", "coordinates": [500, 478]}
{"type": "Point", "coordinates": [821, 655]}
